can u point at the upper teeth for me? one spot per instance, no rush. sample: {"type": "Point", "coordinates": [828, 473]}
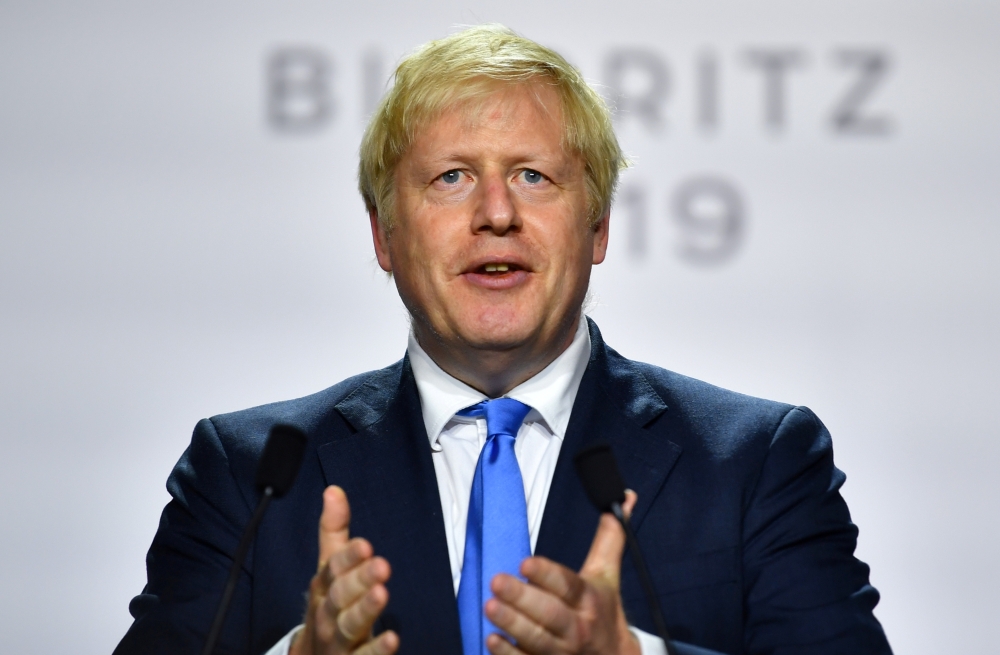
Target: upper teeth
{"type": "Point", "coordinates": [493, 268]}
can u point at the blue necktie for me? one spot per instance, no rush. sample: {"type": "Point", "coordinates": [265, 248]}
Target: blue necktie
{"type": "Point", "coordinates": [496, 535]}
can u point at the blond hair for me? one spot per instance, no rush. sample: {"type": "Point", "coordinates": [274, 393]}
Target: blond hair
{"type": "Point", "coordinates": [469, 65]}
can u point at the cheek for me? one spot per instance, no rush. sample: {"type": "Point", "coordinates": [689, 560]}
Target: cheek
{"type": "Point", "coordinates": [419, 256]}
{"type": "Point", "coordinates": [573, 248]}
{"type": "Point", "coordinates": [578, 256]}
{"type": "Point", "coordinates": [410, 260]}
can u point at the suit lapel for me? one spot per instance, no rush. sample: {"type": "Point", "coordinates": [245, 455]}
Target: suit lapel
{"type": "Point", "coordinates": [387, 472]}
{"type": "Point", "coordinates": [614, 405]}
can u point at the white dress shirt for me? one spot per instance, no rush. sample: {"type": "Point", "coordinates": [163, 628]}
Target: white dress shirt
{"type": "Point", "coordinates": [456, 442]}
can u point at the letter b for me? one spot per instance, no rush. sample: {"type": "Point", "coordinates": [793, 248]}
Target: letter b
{"type": "Point", "coordinates": [298, 96]}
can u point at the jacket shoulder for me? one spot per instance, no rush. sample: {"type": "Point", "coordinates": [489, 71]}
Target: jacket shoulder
{"type": "Point", "coordinates": [722, 421]}
{"type": "Point", "coordinates": [239, 437]}
{"type": "Point", "coordinates": [686, 393]}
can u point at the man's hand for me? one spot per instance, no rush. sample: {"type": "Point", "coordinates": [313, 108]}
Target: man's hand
{"type": "Point", "coordinates": [348, 591]}
{"type": "Point", "coordinates": [559, 611]}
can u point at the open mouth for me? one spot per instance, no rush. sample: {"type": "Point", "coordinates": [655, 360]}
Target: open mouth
{"type": "Point", "coordinates": [498, 276]}
{"type": "Point", "coordinates": [497, 269]}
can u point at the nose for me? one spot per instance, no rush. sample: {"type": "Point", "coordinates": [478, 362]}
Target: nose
{"type": "Point", "coordinates": [496, 212]}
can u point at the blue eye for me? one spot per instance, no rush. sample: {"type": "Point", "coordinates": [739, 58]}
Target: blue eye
{"type": "Point", "coordinates": [451, 177]}
{"type": "Point", "coordinates": [532, 177]}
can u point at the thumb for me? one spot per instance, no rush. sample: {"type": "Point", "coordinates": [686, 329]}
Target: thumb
{"type": "Point", "coordinates": [604, 560]}
{"type": "Point", "coordinates": [334, 524]}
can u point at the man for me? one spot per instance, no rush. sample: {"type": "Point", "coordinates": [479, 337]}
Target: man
{"type": "Point", "coordinates": [488, 173]}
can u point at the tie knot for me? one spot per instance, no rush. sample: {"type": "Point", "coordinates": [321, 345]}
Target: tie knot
{"type": "Point", "coordinates": [503, 415]}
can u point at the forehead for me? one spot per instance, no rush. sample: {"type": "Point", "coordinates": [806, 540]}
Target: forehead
{"type": "Point", "coordinates": [530, 110]}
{"type": "Point", "coordinates": [506, 102]}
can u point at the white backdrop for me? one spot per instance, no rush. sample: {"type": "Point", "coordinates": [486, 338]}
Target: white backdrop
{"type": "Point", "coordinates": [812, 217]}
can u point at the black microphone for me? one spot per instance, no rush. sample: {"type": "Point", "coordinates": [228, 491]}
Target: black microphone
{"type": "Point", "coordinates": [276, 471]}
{"type": "Point", "coordinates": [603, 483]}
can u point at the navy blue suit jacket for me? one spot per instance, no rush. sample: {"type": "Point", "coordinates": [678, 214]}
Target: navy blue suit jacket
{"type": "Point", "coordinates": [749, 543]}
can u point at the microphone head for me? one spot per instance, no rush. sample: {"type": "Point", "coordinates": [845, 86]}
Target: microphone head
{"type": "Point", "coordinates": [599, 474]}
{"type": "Point", "coordinates": [280, 461]}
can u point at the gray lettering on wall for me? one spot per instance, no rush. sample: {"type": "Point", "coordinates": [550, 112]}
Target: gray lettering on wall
{"type": "Point", "coordinates": [871, 66]}
{"type": "Point", "coordinates": [298, 98]}
{"type": "Point", "coordinates": [301, 87]}
{"type": "Point", "coordinates": [710, 214]}
{"type": "Point", "coordinates": [632, 200]}
{"type": "Point", "coordinates": [640, 82]}
{"type": "Point", "coordinates": [708, 90]}
{"type": "Point", "coordinates": [774, 64]}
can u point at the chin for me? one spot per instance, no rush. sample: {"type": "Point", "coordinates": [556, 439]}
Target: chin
{"type": "Point", "coordinates": [506, 332]}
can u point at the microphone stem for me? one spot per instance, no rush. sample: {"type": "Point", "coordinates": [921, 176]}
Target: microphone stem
{"type": "Point", "coordinates": [234, 570]}
{"type": "Point", "coordinates": [644, 579]}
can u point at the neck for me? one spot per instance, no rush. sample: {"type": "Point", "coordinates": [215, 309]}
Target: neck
{"type": "Point", "coordinates": [495, 371]}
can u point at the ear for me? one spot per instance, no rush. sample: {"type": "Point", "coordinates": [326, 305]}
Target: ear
{"type": "Point", "coordinates": [381, 240]}
{"type": "Point", "coordinates": [601, 237]}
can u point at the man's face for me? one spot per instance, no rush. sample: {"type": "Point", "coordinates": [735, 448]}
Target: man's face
{"type": "Point", "coordinates": [491, 248]}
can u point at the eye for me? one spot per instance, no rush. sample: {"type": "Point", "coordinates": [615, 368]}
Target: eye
{"type": "Point", "coordinates": [451, 177]}
{"type": "Point", "coordinates": [532, 177]}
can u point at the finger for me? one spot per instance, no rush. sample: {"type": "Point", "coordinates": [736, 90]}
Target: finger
{"type": "Point", "coordinates": [329, 599]}
{"type": "Point", "coordinates": [334, 523]}
{"type": "Point", "coordinates": [349, 556]}
{"type": "Point", "coordinates": [631, 498]}
{"type": "Point", "coordinates": [540, 605]}
{"type": "Point", "coordinates": [605, 557]}
{"type": "Point", "coordinates": [355, 622]}
{"type": "Point", "coordinates": [560, 581]}
{"type": "Point", "coordinates": [527, 634]}
{"type": "Point", "coordinates": [323, 620]}
{"type": "Point", "coordinates": [356, 582]}
{"type": "Point", "coordinates": [385, 644]}
{"type": "Point", "coordinates": [497, 645]}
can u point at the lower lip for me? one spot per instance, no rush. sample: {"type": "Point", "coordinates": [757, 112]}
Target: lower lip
{"type": "Point", "coordinates": [497, 282]}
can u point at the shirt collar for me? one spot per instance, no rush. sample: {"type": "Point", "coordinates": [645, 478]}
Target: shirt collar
{"type": "Point", "coordinates": [551, 392]}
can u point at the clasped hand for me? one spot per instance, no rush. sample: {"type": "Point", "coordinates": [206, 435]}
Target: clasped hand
{"type": "Point", "coordinates": [557, 611]}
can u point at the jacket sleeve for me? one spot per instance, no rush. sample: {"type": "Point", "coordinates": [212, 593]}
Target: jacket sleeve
{"type": "Point", "coordinates": [189, 560]}
{"type": "Point", "coordinates": [804, 591]}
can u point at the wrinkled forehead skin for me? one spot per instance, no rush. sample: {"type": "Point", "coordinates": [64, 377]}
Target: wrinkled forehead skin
{"type": "Point", "coordinates": [486, 95]}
